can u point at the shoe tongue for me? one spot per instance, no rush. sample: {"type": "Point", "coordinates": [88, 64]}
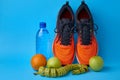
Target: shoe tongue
{"type": "Point", "coordinates": [84, 20]}
{"type": "Point", "coordinates": [64, 20]}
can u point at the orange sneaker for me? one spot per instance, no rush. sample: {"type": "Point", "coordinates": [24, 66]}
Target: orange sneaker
{"type": "Point", "coordinates": [86, 43]}
{"type": "Point", "coordinates": [63, 46]}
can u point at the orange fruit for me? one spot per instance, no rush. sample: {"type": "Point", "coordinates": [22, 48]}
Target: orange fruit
{"type": "Point", "coordinates": [37, 61]}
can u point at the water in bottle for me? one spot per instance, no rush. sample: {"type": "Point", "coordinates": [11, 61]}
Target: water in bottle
{"type": "Point", "coordinates": [43, 45]}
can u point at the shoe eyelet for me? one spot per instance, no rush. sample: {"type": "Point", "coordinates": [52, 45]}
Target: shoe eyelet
{"type": "Point", "coordinates": [90, 30]}
{"type": "Point", "coordinates": [80, 31]}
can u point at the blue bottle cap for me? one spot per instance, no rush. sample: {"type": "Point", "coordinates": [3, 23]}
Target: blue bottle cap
{"type": "Point", "coordinates": [42, 24]}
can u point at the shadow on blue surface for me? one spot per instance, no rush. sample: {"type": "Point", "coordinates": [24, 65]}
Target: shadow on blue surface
{"type": "Point", "coordinates": [106, 69]}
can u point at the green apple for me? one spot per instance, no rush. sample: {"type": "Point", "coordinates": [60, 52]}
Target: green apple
{"type": "Point", "coordinates": [96, 63]}
{"type": "Point", "coordinates": [53, 62]}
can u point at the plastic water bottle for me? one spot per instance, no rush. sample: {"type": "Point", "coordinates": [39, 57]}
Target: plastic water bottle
{"type": "Point", "coordinates": [43, 41]}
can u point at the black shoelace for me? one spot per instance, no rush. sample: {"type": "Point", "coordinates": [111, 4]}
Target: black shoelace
{"type": "Point", "coordinates": [86, 34]}
{"type": "Point", "coordinates": [86, 31]}
{"type": "Point", "coordinates": [65, 30]}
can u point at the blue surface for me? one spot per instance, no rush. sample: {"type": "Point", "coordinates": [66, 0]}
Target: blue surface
{"type": "Point", "coordinates": [19, 22]}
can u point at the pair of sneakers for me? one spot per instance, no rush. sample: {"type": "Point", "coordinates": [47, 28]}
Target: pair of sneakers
{"type": "Point", "coordinates": [63, 45]}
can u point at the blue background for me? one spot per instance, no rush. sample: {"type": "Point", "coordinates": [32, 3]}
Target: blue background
{"type": "Point", "coordinates": [19, 22]}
